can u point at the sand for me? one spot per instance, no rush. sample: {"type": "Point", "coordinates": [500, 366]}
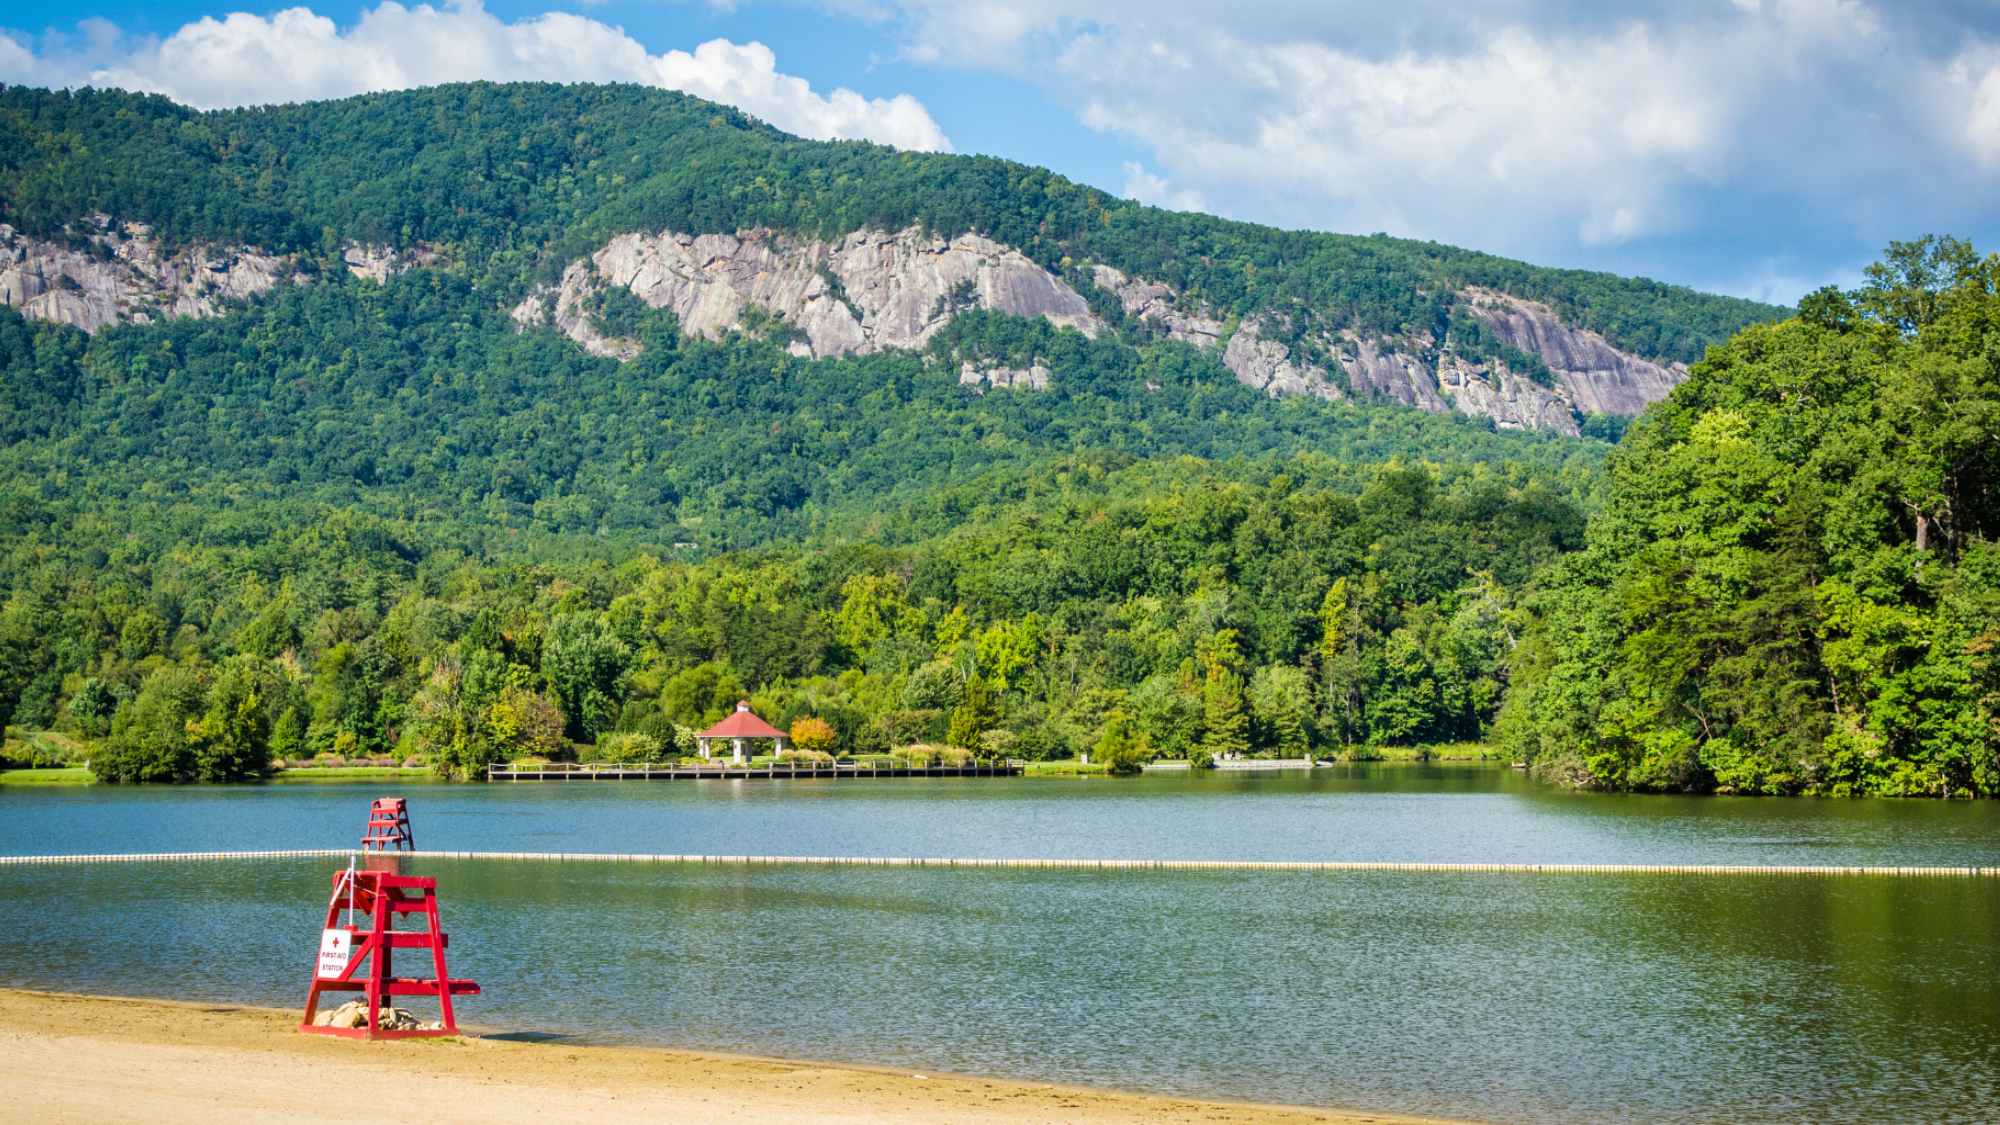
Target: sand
{"type": "Point", "coordinates": [108, 1060]}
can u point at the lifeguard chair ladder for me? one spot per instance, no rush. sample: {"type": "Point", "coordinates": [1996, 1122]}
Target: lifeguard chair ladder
{"type": "Point", "coordinates": [388, 823]}
{"type": "Point", "coordinates": [381, 896]}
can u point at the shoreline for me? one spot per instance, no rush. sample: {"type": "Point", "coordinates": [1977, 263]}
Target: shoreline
{"type": "Point", "coordinates": [78, 776]}
{"type": "Point", "coordinates": [71, 1057]}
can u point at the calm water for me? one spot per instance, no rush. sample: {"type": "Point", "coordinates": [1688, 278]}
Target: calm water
{"type": "Point", "coordinates": [1497, 997]}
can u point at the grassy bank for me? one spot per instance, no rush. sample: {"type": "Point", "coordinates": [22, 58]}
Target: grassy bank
{"type": "Point", "coordinates": [1065, 768]}
{"type": "Point", "coordinates": [68, 775]}
{"type": "Point", "coordinates": [350, 771]}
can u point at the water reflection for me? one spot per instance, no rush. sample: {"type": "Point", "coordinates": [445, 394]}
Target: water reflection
{"type": "Point", "coordinates": [1539, 998]}
{"type": "Point", "coordinates": [1437, 812]}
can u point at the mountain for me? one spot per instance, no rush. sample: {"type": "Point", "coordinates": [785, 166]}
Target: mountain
{"type": "Point", "coordinates": [125, 209]}
{"type": "Point", "coordinates": [341, 427]}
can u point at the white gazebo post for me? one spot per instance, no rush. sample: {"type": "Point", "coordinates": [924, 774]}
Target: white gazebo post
{"type": "Point", "coordinates": [737, 757]}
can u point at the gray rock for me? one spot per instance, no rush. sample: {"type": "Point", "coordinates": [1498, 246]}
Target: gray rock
{"type": "Point", "coordinates": [1267, 365]}
{"type": "Point", "coordinates": [1396, 375]}
{"type": "Point", "coordinates": [1035, 378]}
{"type": "Point", "coordinates": [1597, 377]}
{"type": "Point", "coordinates": [137, 284]}
{"type": "Point", "coordinates": [1151, 300]}
{"type": "Point", "coordinates": [1512, 401]}
{"type": "Point", "coordinates": [874, 290]}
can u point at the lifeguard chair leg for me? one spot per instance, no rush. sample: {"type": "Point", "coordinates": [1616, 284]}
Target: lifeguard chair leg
{"type": "Point", "coordinates": [378, 965]}
{"type": "Point", "coordinates": [446, 1015]}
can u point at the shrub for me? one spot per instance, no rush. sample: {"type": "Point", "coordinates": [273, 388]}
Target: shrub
{"type": "Point", "coordinates": [814, 735]}
{"type": "Point", "coordinates": [630, 746]}
{"type": "Point", "coordinates": [999, 743]}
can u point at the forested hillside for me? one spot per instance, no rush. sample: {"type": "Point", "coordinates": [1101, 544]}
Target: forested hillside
{"type": "Point", "coordinates": [1793, 586]}
{"type": "Point", "coordinates": [221, 548]}
{"type": "Point", "coordinates": [513, 182]}
{"type": "Point", "coordinates": [366, 511]}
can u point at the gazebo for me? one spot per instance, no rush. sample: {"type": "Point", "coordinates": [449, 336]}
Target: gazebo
{"type": "Point", "coordinates": [738, 727]}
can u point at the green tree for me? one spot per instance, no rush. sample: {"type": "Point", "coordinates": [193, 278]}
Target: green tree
{"type": "Point", "coordinates": [1120, 748]}
{"type": "Point", "coordinates": [94, 703]}
{"type": "Point", "coordinates": [1789, 587]}
{"type": "Point", "coordinates": [143, 635]}
{"type": "Point", "coordinates": [270, 634]}
{"type": "Point", "coordinates": [978, 711]}
{"type": "Point", "coordinates": [1278, 699]}
{"type": "Point", "coordinates": [150, 738]}
{"type": "Point", "coordinates": [233, 741]}
{"type": "Point", "coordinates": [586, 665]}
{"type": "Point", "coordinates": [1226, 725]}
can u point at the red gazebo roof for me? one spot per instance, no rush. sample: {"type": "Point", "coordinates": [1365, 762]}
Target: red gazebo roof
{"type": "Point", "coordinates": [743, 725]}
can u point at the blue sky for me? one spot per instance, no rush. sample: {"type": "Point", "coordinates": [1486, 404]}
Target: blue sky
{"type": "Point", "coordinates": [1756, 147]}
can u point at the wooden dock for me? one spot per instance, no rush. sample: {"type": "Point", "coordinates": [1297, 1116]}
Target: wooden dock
{"type": "Point", "coordinates": [642, 771]}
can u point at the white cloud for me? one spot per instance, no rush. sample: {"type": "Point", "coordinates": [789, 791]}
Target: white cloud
{"type": "Point", "coordinates": [1977, 78]}
{"type": "Point", "coordinates": [1586, 133]}
{"type": "Point", "coordinates": [1150, 189]}
{"type": "Point", "coordinates": [297, 55]}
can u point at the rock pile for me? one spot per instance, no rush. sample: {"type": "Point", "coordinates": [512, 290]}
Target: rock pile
{"type": "Point", "coordinates": [354, 1013]}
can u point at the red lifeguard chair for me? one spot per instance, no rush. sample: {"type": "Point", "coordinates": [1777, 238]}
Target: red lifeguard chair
{"type": "Point", "coordinates": [380, 896]}
{"type": "Point", "coordinates": [388, 823]}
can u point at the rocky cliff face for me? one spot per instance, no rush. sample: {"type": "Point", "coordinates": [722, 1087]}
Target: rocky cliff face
{"type": "Point", "coordinates": [119, 276]}
{"type": "Point", "coordinates": [1591, 375]}
{"type": "Point", "coordinates": [378, 262]}
{"type": "Point", "coordinates": [1257, 361]}
{"type": "Point", "coordinates": [1596, 377]}
{"type": "Point", "coordinates": [1394, 375]}
{"type": "Point", "coordinates": [1150, 300]}
{"type": "Point", "coordinates": [1267, 365]}
{"type": "Point", "coordinates": [1035, 378]}
{"type": "Point", "coordinates": [1512, 401]}
{"type": "Point", "coordinates": [872, 290]}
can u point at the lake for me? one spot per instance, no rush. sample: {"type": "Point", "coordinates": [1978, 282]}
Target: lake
{"type": "Point", "coordinates": [1500, 997]}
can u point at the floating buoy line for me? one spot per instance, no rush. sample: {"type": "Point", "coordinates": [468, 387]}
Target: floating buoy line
{"type": "Point", "coordinates": [1070, 864]}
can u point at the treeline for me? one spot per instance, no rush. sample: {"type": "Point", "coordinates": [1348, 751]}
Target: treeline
{"type": "Point", "coordinates": [1793, 586]}
{"type": "Point", "coordinates": [418, 398]}
{"type": "Point", "coordinates": [1176, 608]}
{"type": "Point", "coordinates": [513, 182]}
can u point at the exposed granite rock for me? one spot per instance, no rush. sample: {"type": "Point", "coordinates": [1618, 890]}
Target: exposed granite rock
{"type": "Point", "coordinates": [873, 290]}
{"type": "Point", "coordinates": [1597, 377]}
{"type": "Point", "coordinates": [123, 278]}
{"type": "Point", "coordinates": [376, 262]}
{"type": "Point", "coordinates": [1258, 362]}
{"type": "Point", "coordinates": [1512, 401]}
{"type": "Point", "coordinates": [379, 262]}
{"type": "Point", "coordinates": [1151, 300]}
{"type": "Point", "coordinates": [1035, 378]}
{"type": "Point", "coordinates": [1397, 376]}
{"type": "Point", "coordinates": [1591, 375]}
{"type": "Point", "coordinates": [1267, 365]}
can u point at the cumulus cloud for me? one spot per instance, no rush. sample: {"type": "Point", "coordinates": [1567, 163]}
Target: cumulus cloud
{"type": "Point", "coordinates": [1621, 133]}
{"type": "Point", "coordinates": [297, 55]}
{"type": "Point", "coordinates": [1148, 188]}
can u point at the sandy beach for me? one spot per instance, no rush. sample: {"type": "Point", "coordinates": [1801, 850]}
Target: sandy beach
{"type": "Point", "coordinates": [109, 1060]}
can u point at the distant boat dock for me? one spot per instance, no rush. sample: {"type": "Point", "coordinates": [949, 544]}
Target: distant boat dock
{"type": "Point", "coordinates": [568, 771]}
